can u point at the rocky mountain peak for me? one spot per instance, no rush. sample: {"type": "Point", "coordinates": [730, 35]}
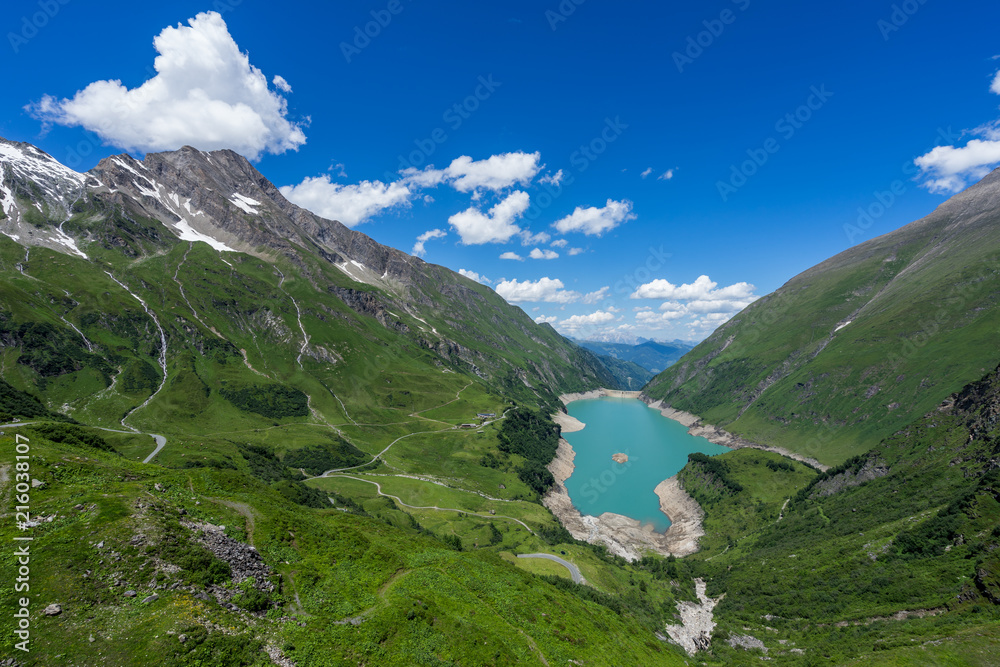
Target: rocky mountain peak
{"type": "Point", "coordinates": [219, 197]}
{"type": "Point", "coordinates": [37, 193]}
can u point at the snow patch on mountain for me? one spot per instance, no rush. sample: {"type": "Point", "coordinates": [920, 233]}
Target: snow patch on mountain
{"type": "Point", "coordinates": [356, 273]}
{"type": "Point", "coordinates": [6, 200]}
{"type": "Point", "coordinates": [60, 187]}
{"type": "Point", "coordinates": [64, 239]}
{"type": "Point", "coordinates": [123, 162]}
{"type": "Point", "coordinates": [171, 201]}
{"type": "Point", "coordinates": [185, 232]}
{"type": "Point", "coordinates": [30, 162]}
{"type": "Point", "coordinates": [245, 203]}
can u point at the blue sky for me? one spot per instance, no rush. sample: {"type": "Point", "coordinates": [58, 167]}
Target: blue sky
{"type": "Point", "coordinates": [733, 139]}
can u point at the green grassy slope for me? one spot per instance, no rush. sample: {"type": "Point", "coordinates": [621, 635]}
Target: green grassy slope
{"type": "Point", "coordinates": [627, 374]}
{"type": "Point", "coordinates": [107, 526]}
{"type": "Point", "coordinates": [922, 305]}
{"type": "Point", "coordinates": [319, 420]}
{"type": "Point", "coordinates": [896, 548]}
{"type": "Point", "coordinates": [272, 377]}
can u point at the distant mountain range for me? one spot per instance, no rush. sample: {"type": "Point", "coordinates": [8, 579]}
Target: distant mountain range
{"type": "Point", "coordinates": [632, 339]}
{"type": "Point", "coordinates": [651, 355]}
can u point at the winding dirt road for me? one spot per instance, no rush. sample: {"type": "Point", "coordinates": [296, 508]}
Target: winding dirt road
{"type": "Point", "coordinates": [378, 487]}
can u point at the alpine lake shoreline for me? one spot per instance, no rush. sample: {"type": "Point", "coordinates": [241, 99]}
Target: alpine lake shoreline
{"type": "Point", "coordinates": [622, 535]}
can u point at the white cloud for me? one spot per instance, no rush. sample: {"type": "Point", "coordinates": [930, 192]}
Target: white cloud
{"type": "Point", "coordinates": [595, 221]}
{"type": "Point", "coordinates": [949, 169]}
{"type": "Point", "coordinates": [577, 322]}
{"type": "Point", "coordinates": [559, 243]}
{"type": "Point", "coordinates": [546, 319]}
{"type": "Point", "coordinates": [671, 306]}
{"type": "Point", "coordinates": [701, 305]}
{"type": "Point", "coordinates": [657, 289]}
{"type": "Point", "coordinates": [477, 228]}
{"type": "Point", "coordinates": [552, 179]}
{"type": "Point", "coordinates": [281, 84]}
{"type": "Point", "coordinates": [350, 204]}
{"type": "Point", "coordinates": [543, 254]}
{"type": "Point", "coordinates": [599, 295]}
{"type": "Point", "coordinates": [544, 290]}
{"type": "Point", "coordinates": [649, 317]}
{"type": "Point", "coordinates": [422, 178]}
{"type": "Point", "coordinates": [704, 288]}
{"type": "Point", "coordinates": [512, 255]}
{"type": "Point", "coordinates": [527, 238]}
{"type": "Point", "coordinates": [418, 248]}
{"type": "Point", "coordinates": [724, 306]}
{"type": "Point", "coordinates": [205, 94]}
{"type": "Point", "coordinates": [666, 176]}
{"type": "Point", "coordinates": [574, 251]}
{"type": "Point", "coordinates": [646, 173]}
{"type": "Point", "coordinates": [496, 172]}
{"type": "Point", "coordinates": [472, 275]}
{"type": "Point", "coordinates": [708, 323]}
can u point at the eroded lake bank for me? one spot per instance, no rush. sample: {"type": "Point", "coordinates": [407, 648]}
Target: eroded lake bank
{"type": "Point", "coordinates": [719, 436]}
{"type": "Point", "coordinates": [622, 535]}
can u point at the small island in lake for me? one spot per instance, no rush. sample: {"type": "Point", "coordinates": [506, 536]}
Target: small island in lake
{"type": "Point", "coordinates": [620, 458]}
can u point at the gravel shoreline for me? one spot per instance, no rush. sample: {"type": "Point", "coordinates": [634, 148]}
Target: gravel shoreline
{"type": "Point", "coordinates": [720, 437]}
{"type": "Point", "coordinates": [623, 536]}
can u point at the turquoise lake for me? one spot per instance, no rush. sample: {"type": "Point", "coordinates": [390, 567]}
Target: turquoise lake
{"type": "Point", "coordinates": [657, 448]}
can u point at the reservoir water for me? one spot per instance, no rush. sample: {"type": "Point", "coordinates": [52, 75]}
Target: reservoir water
{"type": "Point", "coordinates": [657, 448]}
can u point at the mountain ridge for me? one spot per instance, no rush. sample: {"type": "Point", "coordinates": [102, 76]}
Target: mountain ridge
{"type": "Point", "coordinates": [892, 317]}
{"type": "Point", "coordinates": [123, 206]}
{"type": "Point", "coordinates": [354, 443]}
{"type": "Point", "coordinates": [654, 356]}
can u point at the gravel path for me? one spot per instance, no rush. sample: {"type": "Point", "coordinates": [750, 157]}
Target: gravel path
{"type": "Point", "coordinates": [159, 439]}
{"type": "Point", "coordinates": [435, 507]}
{"type": "Point", "coordinates": [573, 569]}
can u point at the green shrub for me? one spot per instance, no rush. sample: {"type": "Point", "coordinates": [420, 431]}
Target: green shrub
{"type": "Point", "coordinates": [15, 403]}
{"type": "Point", "coordinates": [263, 462]}
{"type": "Point", "coordinates": [778, 466]}
{"type": "Point", "coordinates": [536, 475]}
{"type": "Point", "coordinates": [300, 494]}
{"type": "Point", "coordinates": [198, 564]}
{"type": "Point", "coordinates": [717, 469]}
{"type": "Point", "coordinates": [49, 350]}
{"type": "Point", "coordinates": [317, 459]}
{"type": "Point", "coordinates": [274, 401]}
{"type": "Point", "coordinates": [533, 436]}
{"type": "Point", "coordinates": [250, 598]}
{"type": "Point", "coordinates": [139, 377]}
{"type": "Point", "coordinates": [215, 649]}
{"type": "Point", "coordinates": [69, 434]}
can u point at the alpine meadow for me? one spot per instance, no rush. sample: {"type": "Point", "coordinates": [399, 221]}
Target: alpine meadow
{"type": "Point", "coordinates": [291, 364]}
